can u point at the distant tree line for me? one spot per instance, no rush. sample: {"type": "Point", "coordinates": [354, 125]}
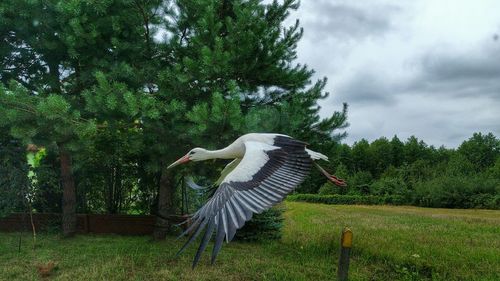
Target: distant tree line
{"type": "Point", "coordinates": [423, 175]}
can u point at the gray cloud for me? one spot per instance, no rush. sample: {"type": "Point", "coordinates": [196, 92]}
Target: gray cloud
{"type": "Point", "coordinates": [446, 97]}
{"type": "Point", "coordinates": [345, 20]}
{"type": "Point", "coordinates": [461, 74]}
{"type": "Point", "coordinates": [366, 88]}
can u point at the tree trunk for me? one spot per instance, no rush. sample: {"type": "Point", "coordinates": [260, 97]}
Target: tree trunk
{"type": "Point", "coordinates": [165, 206]}
{"type": "Point", "coordinates": [69, 193]}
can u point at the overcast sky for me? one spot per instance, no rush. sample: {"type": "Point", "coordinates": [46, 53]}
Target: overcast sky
{"type": "Point", "coordinates": [425, 68]}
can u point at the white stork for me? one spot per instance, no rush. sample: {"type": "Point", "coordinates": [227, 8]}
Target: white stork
{"type": "Point", "coordinates": [266, 167]}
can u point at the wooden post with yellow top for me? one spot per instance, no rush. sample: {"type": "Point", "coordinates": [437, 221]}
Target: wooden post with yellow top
{"type": "Point", "coordinates": [345, 251]}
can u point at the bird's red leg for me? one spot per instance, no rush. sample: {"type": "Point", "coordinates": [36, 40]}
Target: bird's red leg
{"type": "Point", "coordinates": [332, 178]}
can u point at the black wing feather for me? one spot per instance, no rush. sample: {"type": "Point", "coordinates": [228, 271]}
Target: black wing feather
{"type": "Point", "coordinates": [204, 241]}
{"type": "Point", "coordinates": [219, 238]}
{"type": "Point", "coordinates": [193, 236]}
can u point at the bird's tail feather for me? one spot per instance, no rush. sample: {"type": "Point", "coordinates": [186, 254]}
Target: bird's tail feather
{"type": "Point", "coordinates": [316, 155]}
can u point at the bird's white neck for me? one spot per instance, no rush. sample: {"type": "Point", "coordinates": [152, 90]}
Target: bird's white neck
{"type": "Point", "coordinates": [225, 153]}
{"type": "Point", "coordinates": [230, 152]}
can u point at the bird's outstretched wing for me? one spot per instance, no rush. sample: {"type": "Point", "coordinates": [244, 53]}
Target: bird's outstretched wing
{"type": "Point", "coordinates": [265, 175]}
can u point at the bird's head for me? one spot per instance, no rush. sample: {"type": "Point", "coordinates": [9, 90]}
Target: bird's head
{"type": "Point", "coordinates": [195, 154]}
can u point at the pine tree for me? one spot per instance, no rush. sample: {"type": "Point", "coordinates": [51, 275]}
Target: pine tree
{"type": "Point", "coordinates": [47, 120]}
{"type": "Point", "coordinates": [55, 49]}
{"type": "Point", "coordinates": [232, 71]}
{"type": "Point", "coordinates": [88, 71]}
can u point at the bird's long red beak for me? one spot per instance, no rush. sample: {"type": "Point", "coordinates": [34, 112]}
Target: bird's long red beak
{"type": "Point", "coordinates": [182, 160]}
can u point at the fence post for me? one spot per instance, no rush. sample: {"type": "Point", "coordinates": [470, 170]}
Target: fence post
{"type": "Point", "coordinates": [345, 251]}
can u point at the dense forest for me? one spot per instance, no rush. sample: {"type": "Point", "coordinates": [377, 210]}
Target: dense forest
{"type": "Point", "coordinates": [465, 177]}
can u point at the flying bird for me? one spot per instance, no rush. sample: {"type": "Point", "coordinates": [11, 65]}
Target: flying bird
{"type": "Point", "coordinates": [265, 168]}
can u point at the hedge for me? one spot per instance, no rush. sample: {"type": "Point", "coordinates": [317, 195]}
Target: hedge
{"type": "Point", "coordinates": [349, 199]}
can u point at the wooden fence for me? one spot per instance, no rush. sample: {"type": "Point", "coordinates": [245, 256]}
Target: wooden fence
{"type": "Point", "coordinates": [86, 223]}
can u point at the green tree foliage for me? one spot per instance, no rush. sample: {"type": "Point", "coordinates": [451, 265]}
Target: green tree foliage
{"type": "Point", "coordinates": [415, 150]}
{"type": "Point", "coordinates": [13, 174]}
{"type": "Point", "coordinates": [360, 182]}
{"type": "Point", "coordinates": [360, 155]}
{"type": "Point", "coordinates": [47, 188]}
{"type": "Point", "coordinates": [397, 148]}
{"type": "Point", "coordinates": [47, 120]}
{"type": "Point", "coordinates": [117, 90]}
{"type": "Point", "coordinates": [71, 54]}
{"type": "Point", "coordinates": [234, 72]}
{"type": "Point", "coordinates": [381, 156]}
{"type": "Point", "coordinates": [466, 177]}
{"type": "Point", "coordinates": [481, 150]}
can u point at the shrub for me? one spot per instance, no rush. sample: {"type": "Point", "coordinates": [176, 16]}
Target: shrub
{"type": "Point", "coordinates": [264, 226]}
{"type": "Point", "coordinates": [390, 186]}
{"type": "Point", "coordinates": [485, 201]}
{"type": "Point", "coordinates": [328, 189]}
{"type": "Point", "coordinates": [360, 182]}
{"type": "Point", "coordinates": [458, 192]}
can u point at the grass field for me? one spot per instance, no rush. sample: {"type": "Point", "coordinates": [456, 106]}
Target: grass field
{"type": "Point", "coordinates": [390, 243]}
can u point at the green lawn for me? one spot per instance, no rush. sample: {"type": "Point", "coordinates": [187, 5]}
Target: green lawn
{"type": "Point", "coordinates": [390, 243]}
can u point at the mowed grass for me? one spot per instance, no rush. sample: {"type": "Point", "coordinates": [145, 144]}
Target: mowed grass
{"type": "Point", "coordinates": [390, 243]}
